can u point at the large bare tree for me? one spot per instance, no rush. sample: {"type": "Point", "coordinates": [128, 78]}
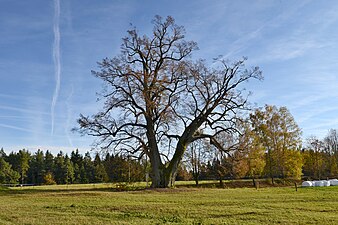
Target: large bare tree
{"type": "Point", "coordinates": [158, 101]}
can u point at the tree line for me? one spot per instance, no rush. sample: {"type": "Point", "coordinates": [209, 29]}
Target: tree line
{"type": "Point", "coordinates": [268, 146]}
{"type": "Point", "coordinates": [45, 168]}
{"type": "Point", "coordinates": [321, 156]}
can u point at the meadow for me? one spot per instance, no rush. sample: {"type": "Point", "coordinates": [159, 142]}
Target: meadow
{"type": "Point", "coordinates": [103, 204]}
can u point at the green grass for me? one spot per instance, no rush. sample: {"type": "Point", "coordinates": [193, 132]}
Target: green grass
{"type": "Point", "coordinates": [101, 204]}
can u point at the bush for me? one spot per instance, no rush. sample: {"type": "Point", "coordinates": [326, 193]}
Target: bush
{"type": "Point", "coordinates": [49, 179]}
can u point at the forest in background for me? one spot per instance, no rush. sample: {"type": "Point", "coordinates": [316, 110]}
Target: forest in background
{"type": "Point", "coordinates": [264, 150]}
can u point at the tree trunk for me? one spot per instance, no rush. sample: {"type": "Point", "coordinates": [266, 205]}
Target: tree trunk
{"type": "Point", "coordinates": [270, 166]}
{"type": "Point", "coordinates": [164, 177]}
{"type": "Point", "coordinates": [196, 182]}
{"type": "Point", "coordinates": [196, 175]}
{"type": "Point", "coordinates": [171, 171]}
{"type": "Point", "coordinates": [157, 177]}
{"type": "Point", "coordinates": [157, 169]}
{"type": "Point", "coordinates": [221, 184]}
{"type": "Point", "coordinates": [172, 168]}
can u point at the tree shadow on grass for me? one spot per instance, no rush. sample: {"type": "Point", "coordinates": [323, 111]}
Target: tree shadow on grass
{"type": "Point", "coordinates": [124, 187]}
{"type": "Point", "coordinates": [38, 189]}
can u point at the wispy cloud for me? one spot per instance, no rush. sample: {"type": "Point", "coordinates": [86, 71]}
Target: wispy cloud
{"type": "Point", "coordinates": [22, 110]}
{"type": "Point", "coordinates": [14, 127]}
{"type": "Point", "coordinates": [8, 96]}
{"type": "Point", "coordinates": [320, 127]}
{"type": "Point", "coordinates": [289, 49]}
{"type": "Point", "coordinates": [262, 34]}
{"type": "Point", "coordinates": [56, 58]}
{"type": "Point", "coordinates": [242, 43]}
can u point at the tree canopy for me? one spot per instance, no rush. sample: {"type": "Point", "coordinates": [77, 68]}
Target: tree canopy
{"type": "Point", "coordinates": [281, 137]}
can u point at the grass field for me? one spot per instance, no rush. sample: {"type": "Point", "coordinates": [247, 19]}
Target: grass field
{"type": "Point", "coordinates": [102, 204]}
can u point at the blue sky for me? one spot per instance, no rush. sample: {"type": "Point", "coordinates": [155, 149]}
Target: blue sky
{"type": "Point", "coordinates": [295, 43]}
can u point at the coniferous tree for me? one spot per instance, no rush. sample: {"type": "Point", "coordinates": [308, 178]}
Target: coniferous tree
{"type": "Point", "coordinates": [36, 170]}
{"type": "Point", "coordinates": [87, 172]}
{"type": "Point", "coordinates": [59, 165]}
{"type": "Point", "coordinates": [3, 154]}
{"type": "Point", "coordinates": [49, 161]}
{"type": "Point", "coordinates": [77, 161]}
{"type": "Point", "coordinates": [68, 171]}
{"type": "Point", "coordinates": [24, 159]}
{"type": "Point", "coordinates": [137, 171]}
{"type": "Point", "coordinates": [108, 166]}
{"type": "Point", "coordinates": [7, 174]}
{"type": "Point", "coordinates": [13, 159]}
{"type": "Point", "coordinates": [120, 169]}
{"type": "Point", "coordinates": [99, 170]}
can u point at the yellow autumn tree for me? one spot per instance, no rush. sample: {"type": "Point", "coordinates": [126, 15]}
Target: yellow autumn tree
{"type": "Point", "coordinates": [280, 136]}
{"type": "Point", "coordinates": [251, 153]}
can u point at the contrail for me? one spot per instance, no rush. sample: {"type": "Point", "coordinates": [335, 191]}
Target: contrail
{"type": "Point", "coordinates": [56, 58]}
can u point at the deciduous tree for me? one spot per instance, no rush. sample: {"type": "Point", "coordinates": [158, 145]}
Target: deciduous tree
{"type": "Point", "coordinates": [314, 158]}
{"type": "Point", "coordinates": [49, 179]}
{"type": "Point", "coordinates": [197, 155]}
{"type": "Point", "coordinates": [331, 149]}
{"type": "Point", "coordinates": [157, 101]}
{"type": "Point", "coordinates": [281, 137]}
{"type": "Point", "coordinates": [252, 152]}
